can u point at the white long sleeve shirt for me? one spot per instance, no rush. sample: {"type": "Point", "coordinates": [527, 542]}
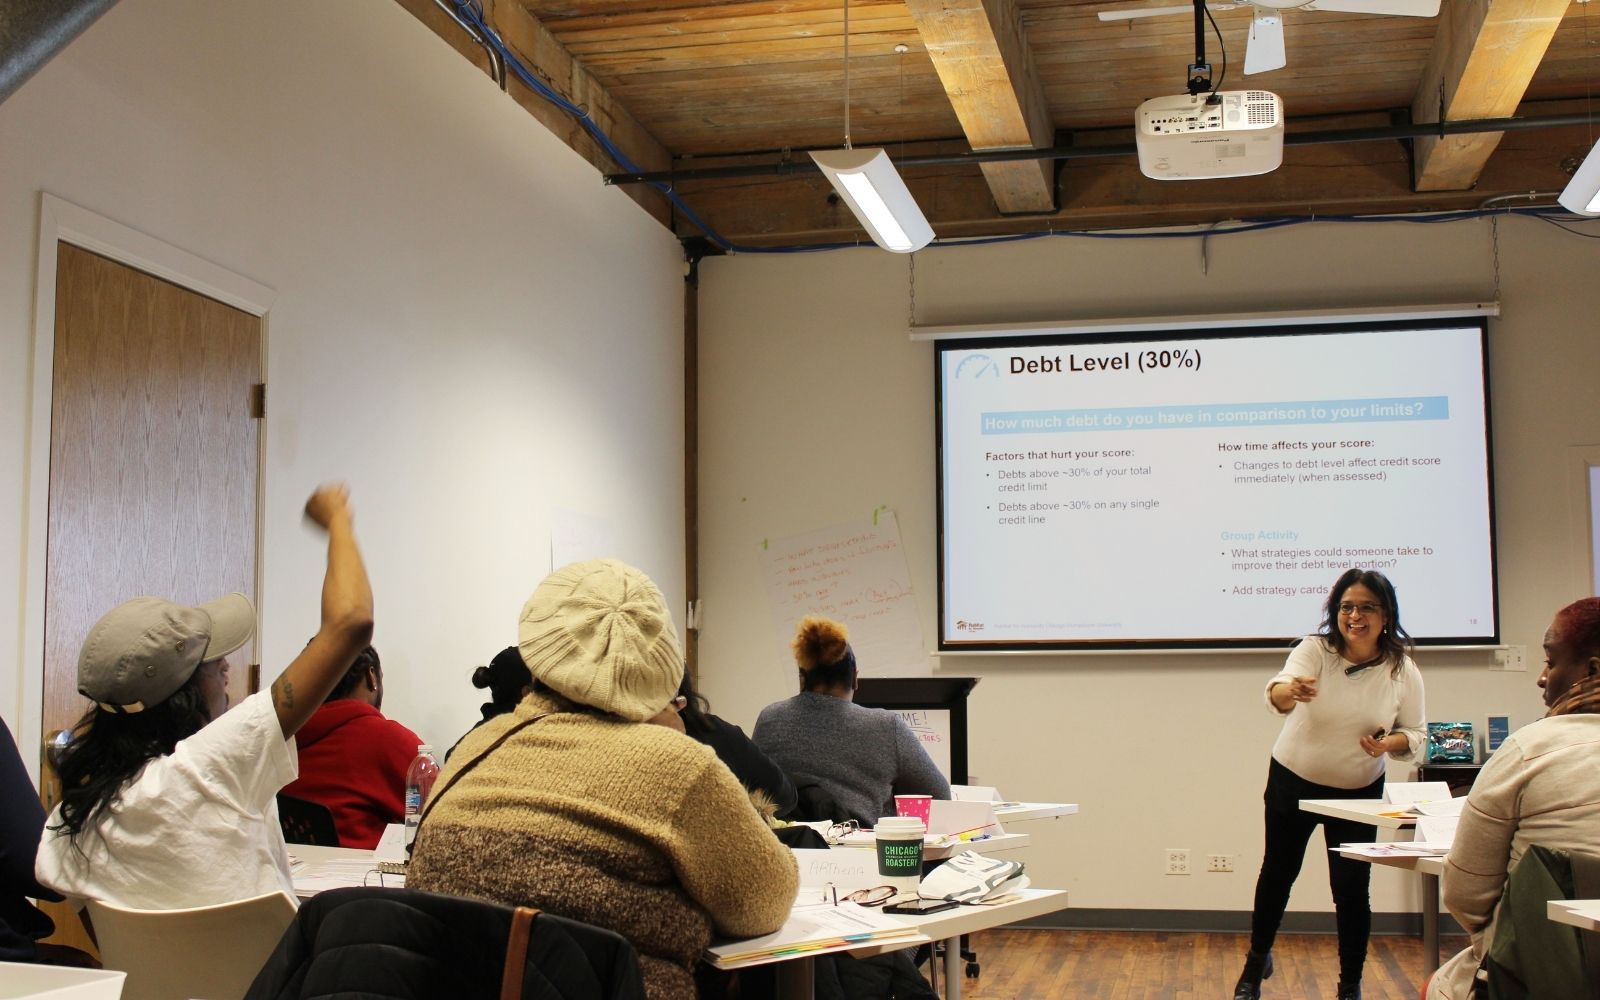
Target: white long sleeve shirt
{"type": "Point", "coordinates": [1321, 738]}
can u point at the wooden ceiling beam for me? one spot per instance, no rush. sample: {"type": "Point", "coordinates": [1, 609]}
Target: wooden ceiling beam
{"type": "Point", "coordinates": [1484, 56]}
{"type": "Point", "coordinates": [539, 50]}
{"type": "Point", "coordinates": [983, 60]}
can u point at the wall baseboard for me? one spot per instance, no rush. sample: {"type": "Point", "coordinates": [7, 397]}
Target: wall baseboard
{"type": "Point", "coordinates": [1225, 921]}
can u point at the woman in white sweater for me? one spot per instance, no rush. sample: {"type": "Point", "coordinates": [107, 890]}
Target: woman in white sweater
{"type": "Point", "coordinates": [1541, 787]}
{"type": "Point", "coordinates": [1352, 698]}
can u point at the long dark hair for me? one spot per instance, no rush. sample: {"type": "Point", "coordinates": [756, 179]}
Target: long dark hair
{"type": "Point", "coordinates": [109, 748]}
{"type": "Point", "coordinates": [695, 708]}
{"type": "Point", "coordinates": [1394, 642]}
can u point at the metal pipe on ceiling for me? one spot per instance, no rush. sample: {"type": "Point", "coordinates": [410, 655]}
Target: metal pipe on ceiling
{"type": "Point", "coordinates": [33, 31]}
{"type": "Point", "coordinates": [1373, 134]}
{"type": "Point", "coordinates": [497, 63]}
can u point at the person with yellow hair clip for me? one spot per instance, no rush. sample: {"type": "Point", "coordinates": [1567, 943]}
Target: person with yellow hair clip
{"type": "Point", "coordinates": [859, 758]}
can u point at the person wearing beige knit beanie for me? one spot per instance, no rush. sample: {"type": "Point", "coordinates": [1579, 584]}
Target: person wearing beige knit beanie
{"type": "Point", "coordinates": [573, 804]}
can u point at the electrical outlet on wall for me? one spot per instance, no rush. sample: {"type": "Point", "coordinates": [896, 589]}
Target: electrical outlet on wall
{"type": "Point", "coordinates": [1177, 861]}
{"type": "Point", "coordinates": [1511, 658]}
{"type": "Point", "coordinates": [1219, 862]}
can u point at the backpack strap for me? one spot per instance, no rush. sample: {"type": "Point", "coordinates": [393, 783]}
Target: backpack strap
{"type": "Point", "coordinates": [475, 761]}
{"type": "Point", "coordinates": [516, 952]}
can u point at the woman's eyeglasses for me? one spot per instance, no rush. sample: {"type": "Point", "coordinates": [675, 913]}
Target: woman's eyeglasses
{"type": "Point", "coordinates": [1367, 610]}
{"type": "Point", "coordinates": [875, 896]}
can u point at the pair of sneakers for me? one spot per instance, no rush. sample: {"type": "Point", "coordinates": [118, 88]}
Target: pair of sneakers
{"type": "Point", "coordinates": [1258, 967]}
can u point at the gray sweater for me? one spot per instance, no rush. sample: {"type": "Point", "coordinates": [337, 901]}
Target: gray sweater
{"type": "Point", "coordinates": [863, 757]}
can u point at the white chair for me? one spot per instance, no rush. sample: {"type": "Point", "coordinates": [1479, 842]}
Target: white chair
{"type": "Point", "coordinates": [205, 952]}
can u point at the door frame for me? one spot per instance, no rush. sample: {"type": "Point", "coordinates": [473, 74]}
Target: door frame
{"type": "Point", "coordinates": [62, 221]}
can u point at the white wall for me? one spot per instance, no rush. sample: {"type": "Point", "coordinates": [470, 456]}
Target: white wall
{"type": "Point", "coordinates": [816, 408]}
{"type": "Point", "coordinates": [468, 327]}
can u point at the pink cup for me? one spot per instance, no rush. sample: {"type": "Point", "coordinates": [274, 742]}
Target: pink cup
{"type": "Point", "coordinates": [917, 806]}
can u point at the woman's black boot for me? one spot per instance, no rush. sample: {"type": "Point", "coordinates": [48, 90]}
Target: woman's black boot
{"type": "Point", "coordinates": [1349, 991]}
{"type": "Point", "coordinates": [1256, 968]}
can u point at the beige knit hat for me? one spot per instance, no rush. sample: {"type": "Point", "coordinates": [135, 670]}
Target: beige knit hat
{"type": "Point", "coordinates": [599, 633]}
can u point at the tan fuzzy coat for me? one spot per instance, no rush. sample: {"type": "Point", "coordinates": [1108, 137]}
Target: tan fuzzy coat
{"type": "Point", "coordinates": [623, 825]}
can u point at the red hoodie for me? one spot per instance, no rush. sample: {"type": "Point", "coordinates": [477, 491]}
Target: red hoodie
{"type": "Point", "coordinates": [354, 761]}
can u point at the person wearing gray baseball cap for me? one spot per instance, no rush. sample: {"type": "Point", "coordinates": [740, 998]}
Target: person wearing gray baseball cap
{"type": "Point", "coordinates": [168, 798]}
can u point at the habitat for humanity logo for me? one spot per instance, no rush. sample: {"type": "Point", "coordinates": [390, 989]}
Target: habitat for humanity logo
{"type": "Point", "coordinates": [977, 366]}
{"type": "Point", "coordinates": [966, 626]}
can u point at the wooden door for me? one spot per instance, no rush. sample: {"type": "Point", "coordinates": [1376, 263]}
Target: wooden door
{"type": "Point", "coordinates": [153, 460]}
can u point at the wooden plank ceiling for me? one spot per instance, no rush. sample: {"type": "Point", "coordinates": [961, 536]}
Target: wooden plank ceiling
{"type": "Point", "coordinates": [686, 85]}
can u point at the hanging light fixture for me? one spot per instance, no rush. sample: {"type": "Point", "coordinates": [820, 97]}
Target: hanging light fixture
{"type": "Point", "coordinates": [868, 182]}
{"type": "Point", "coordinates": [1582, 194]}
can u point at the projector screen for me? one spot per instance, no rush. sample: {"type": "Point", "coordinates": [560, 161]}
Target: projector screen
{"type": "Point", "coordinates": [1206, 489]}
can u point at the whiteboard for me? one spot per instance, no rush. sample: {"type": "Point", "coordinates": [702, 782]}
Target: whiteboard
{"type": "Point", "coordinates": [856, 575]}
{"type": "Point", "coordinates": [932, 729]}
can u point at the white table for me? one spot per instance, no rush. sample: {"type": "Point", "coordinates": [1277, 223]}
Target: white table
{"type": "Point", "coordinates": [1378, 813]}
{"type": "Point", "coordinates": [797, 974]}
{"type": "Point", "coordinates": [1389, 816]}
{"type": "Point", "coordinates": [1580, 913]}
{"type": "Point", "coordinates": [997, 844]}
{"type": "Point", "coordinates": [1023, 812]}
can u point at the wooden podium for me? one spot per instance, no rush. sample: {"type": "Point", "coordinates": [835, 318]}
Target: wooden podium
{"type": "Point", "coordinates": [933, 693]}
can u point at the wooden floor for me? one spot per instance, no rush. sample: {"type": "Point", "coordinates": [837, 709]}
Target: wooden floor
{"type": "Point", "coordinates": [1153, 965]}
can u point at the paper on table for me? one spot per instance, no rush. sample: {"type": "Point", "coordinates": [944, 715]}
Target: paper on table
{"type": "Point", "coordinates": [1437, 829]}
{"type": "Point", "coordinates": [866, 838]}
{"type": "Point", "coordinates": [953, 817]}
{"type": "Point", "coordinates": [810, 928]}
{"type": "Point", "coordinates": [392, 845]}
{"type": "Point", "coordinates": [846, 870]}
{"type": "Point", "coordinates": [1441, 807]}
{"type": "Point", "coordinates": [1408, 792]}
{"type": "Point", "coordinates": [974, 793]}
{"type": "Point", "coordinates": [1395, 849]}
{"type": "Point", "coordinates": [319, 876]}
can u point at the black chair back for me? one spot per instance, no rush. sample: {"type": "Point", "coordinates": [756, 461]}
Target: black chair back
{"type": "Point", "coordinates": [306, 822]}
{"type": "Point", "coordinates": [405, 944]}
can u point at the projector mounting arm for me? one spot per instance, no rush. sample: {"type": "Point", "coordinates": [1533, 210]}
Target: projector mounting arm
{"type": "Point", "coordinates": [1200, 70]}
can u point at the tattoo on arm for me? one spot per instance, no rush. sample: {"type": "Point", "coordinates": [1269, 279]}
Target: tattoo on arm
{"type": "Point", "coordinates": [283, 694]}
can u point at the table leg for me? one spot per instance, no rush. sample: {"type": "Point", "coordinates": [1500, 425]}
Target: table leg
{"type": "Point", "coordinates": [1430, 922]}
{"type": "Point", "coordinates": [952, 969]}
{"type": "Point", "coordinates": [797, 979]}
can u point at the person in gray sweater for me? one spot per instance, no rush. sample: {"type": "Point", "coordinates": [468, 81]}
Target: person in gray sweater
{"type": "Point", "coordinates": [858, 757]}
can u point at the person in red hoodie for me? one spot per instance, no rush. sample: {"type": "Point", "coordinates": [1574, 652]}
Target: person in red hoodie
{"type": "Point", "coordinates": [352, 759]}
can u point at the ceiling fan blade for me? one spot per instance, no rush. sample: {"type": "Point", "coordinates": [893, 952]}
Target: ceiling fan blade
{"type": "Point", "coordinates": [1402, 8]}
{"type": "Point", "coordinates": [1265, 51]}
{"type": "Point", "coordinates": [1133, 12]}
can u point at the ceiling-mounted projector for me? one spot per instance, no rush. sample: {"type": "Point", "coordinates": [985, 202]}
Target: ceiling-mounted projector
{"type": "Point", "coordinates": [1232, 133]}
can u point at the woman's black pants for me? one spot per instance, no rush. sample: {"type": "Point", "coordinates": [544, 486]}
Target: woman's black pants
{"type": "Point", "coordinates": [1288, 831]}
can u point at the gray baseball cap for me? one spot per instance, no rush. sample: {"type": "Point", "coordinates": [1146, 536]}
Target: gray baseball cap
{"type": "Point", "coordinates": [142, 651]}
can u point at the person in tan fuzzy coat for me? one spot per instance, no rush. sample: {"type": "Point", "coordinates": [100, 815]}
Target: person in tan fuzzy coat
{"type": "Point", "coordinates": [572, 803]}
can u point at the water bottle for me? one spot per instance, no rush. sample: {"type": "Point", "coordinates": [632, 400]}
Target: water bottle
{"type": "Point", "coordinates": [419, 782]}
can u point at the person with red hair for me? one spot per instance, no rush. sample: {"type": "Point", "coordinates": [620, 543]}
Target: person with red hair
{"type": "Point", "coordinates": [1541, 787]}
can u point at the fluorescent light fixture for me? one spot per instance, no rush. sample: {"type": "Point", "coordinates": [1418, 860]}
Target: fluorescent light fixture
{"type": "Point", "coordinates": [1582, 194]}
{"type": "Point", "coordinates": [869, 184]}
